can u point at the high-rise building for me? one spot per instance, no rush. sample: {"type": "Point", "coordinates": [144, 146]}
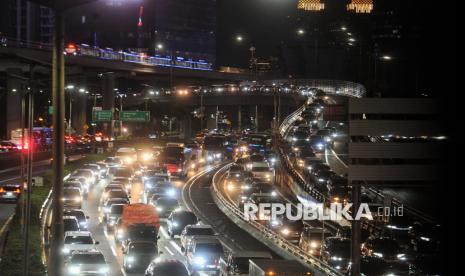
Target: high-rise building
{"type": "Point", "coordinates": [187, 26]}
{"type": "Point", "coordinates": [26, 21]}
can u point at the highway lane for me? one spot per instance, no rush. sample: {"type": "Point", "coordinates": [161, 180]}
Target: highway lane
{"type": "Point", "coordinates": [194, 195]}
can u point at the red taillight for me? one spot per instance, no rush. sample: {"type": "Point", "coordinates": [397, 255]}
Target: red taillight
{"type": "Point", "coordinates": [2, 190]}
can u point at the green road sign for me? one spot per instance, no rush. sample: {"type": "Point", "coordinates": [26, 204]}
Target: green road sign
{"type": "Point", "coordinates": [102, 116]}
{"type": "Point", "coordinates": [50, 110]}
{"type": "Point", "coordinates": [134, 116]}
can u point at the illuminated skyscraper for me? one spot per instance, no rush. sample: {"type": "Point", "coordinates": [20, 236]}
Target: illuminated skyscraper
{"type": "Point", "coordinates": [360, 6]}
{"type": "Point", "coordinates": [310, 5]}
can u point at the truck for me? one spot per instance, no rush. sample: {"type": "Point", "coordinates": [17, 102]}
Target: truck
{"type": "Point", "coordinates": [173, 158]}
{"type": "Point", "coordinates": [139, 222]}
{"type": "Point", "coordinates": [278, 268]}
{"type": "Point", "coordinates": [237, 263]}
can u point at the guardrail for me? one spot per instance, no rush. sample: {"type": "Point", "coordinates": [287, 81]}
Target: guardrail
{"type": "Point", "coordinates": [227, 207]}
{"type": "Point", "coordinates": [4, 234]}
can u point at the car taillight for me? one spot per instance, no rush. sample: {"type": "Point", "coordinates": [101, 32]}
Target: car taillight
{"type": "Point", "coordinates": [18, 191]}
{"type": "Point", "coordinates": [2, 190]}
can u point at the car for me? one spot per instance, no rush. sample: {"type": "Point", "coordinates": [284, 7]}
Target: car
{"type": "Point", "coordinates": [77, 185]}
{"type": "Point", "coordinates": [87, 263]}
{"type": "Point", "coordinates": [237, 263]}
{"type": "Point", "coordinates": [177, 220]}
{"type": "Point", "coordinates": [339, 194]}
{"type": "Point", "coordinates": [191, 231]}
{"type": "Point", "coordinates": [327, 134]}
{"type": "Point", "coordinates": [203, 254]}
{"type": "Point", "coordinates": [124, 181]}
{"type": "Point", "coordinates": [257, 188]}
{"type": "Point", "coordinates": [113, 161]}
{"type": "Point", "coordinates": [166, 267]}
{"type": "Point", "coordinates": [70, 223]}
{"type": "Point", "coordinates": [84, 182]}
{"type": "Point", "coordinates": [299, 136]}
{"type": "Point", "coordinates": [139, 233]}
{"type": "Point", "coordinates": [321, 178]}
{"type": "Point", "coordinates": [376, 266]}
{"type": "Point", "coordinates": [96, 169]}
{"type": "Point", "coordinates": [288, 229]}
{"type": "Point", "coordinates": [10, 192]}
{"type": "Point", "coordinates": [78, 241]}
{"type": "Point", "coordinates": [138, 255]}
{"type": "Point", "coordinates": [106, 205]}
{"type": "Point", "coordinates": [127, 155]}
{"type": "Point", "coordinates": [165, 205]}
{"type": "Point", "coordinates": [72, 198]}
{"type": "Point", "coordinates": [336, 253]}
{"type": "Point", "coordinates": [318, 143]}
{"type": "Point", "coordinates": [262, 170]}
{"type": "Point", "coordinates": [112, 216]}
{"type": "Point", "coordinates": [312, 238]}
{"type": "Point", "coordinates": [123, 172]}
{"type": "Point", "coordinates": [79, 215]}
{"type": "Point", "coordinates": [87, 174]}
{"type": "Point", "coordinates": [383, 247]}
{"type": "Point", "coordinates": [116, 194]}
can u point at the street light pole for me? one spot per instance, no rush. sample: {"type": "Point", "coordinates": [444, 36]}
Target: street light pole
{"type": "Point", "coordinates": [70, 112]}
{"type": "Point", "coordinates": [58, 80]}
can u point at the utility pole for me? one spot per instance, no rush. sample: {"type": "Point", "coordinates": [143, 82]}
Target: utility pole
{"type": "Point", "coordinates": [23, 169]}
{"type": "Point", "coordinates": [29, 170]}
{"type": "Point", "coordinates": [58, 80]}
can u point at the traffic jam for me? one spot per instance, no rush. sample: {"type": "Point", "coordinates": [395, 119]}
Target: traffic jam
{"type": "Point", "coordinates": [135, 197]}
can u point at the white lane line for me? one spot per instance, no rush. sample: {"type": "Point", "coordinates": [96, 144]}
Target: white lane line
{"type": "Point", "coordinates": [169, 251]}
{"type": "Point", "coordinates": [163, 232]}
{"type": "Point", "coordinates": [122, 271]}
{"type": "Point", "coordinates": [113, 251]}
{"type": "Point", "coordinates": [176, 247]}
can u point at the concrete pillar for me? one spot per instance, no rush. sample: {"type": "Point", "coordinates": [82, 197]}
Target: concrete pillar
{"type": "Point", "coordinates": [15, 88]}
{"type": "Point", "coordinates": [108, 90]}
{"type": "Point", "coordinates": [79, 116]}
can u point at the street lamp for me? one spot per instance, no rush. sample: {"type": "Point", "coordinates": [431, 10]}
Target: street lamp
{"type": "Point", "coordinates": [239, 38]}
{"type": "Point", "coordinates": [159, 46]}
{"type": "Point", "coordinates": [300, 32]}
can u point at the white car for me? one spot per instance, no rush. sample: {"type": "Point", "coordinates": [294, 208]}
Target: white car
{"type": "Point", "coordinates": [87, 263]}
{"type": "Point", "coordinates": [262, 170]}
{"type": "Point", "coordinates": [192, 231]}
{"type": "Point", "coordinates": [78, 241]}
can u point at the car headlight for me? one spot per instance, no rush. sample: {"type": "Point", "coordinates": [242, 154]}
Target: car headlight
{"type": "Point", "coordinates": [328, 139]}
{"type": "Point", "coordinates": [209, 158]}
{"type": "Point", "coordinates": [320, 145]}
{"type": "Point", "coordinates": [425, 239]}
{"type": "Point", "coordinates": [401, 257]}
{"type": "Point", "coordinates": [294, 139]}
{"type": "Point", "coordinates": [65, 250]}
{"type": "Point", "coordinates": [159, 209]}
{"type": "Point", "coordinates": [146, 156]}
{"type": "Point", "coordinates": [274, 222]}
{"type": "Point", "coordinates": [307, 139]}
{"type": "Point", "coordinates": [104, 269]}
{"type": "Point", "coordinates": [83, 223]}
{"type": "Point", "coordinates": [148, 185]}
{"type": "Point", "coordinates": [77, 199]}
{"type": "Point", "coordinates": [273, 193]}
{"type": "Point", "coordinates": [106, 209]}
{"type": "Point", "coordinates": [200, 260]}
{"type": "Point", "coordinates": [171, 192]}
{"type": "Point", "coordinates": [314, 244]}
{"type": "Point", "coordinates": [193, 166]}
{"type": "Point", "coordinates": [321, 180]}
{"type": "Point", "coordinates": [74, 269]}
{"type": "Point", "coordinates": [175, 224]}
{"type": "Point", "coordinates": [245, 187]}
{"type": "Point", "coordinates": [285, 231]}
{"type": "Point", "coordinates": [218, 155]}
{"type": "Point", "coordinates": [273, 160]}
{"type": "Point", "coordinates": [335, 258]}
{"type": "Point", "coordinates": [377, 254]}
{"type": "Point", "coordinates": [130, 259]}
{"type": "Point", "coordinates": [179, 170]}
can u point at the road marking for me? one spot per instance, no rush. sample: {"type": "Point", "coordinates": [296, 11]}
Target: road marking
{"type": "Point", "coordinates": [163, 232]}
{"type": "Point", "coordinates": [169, 251]}
{"type": "Point", "coordinates": [113, 251]}
{"type": "Point", "coordinates": [176, 247]}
